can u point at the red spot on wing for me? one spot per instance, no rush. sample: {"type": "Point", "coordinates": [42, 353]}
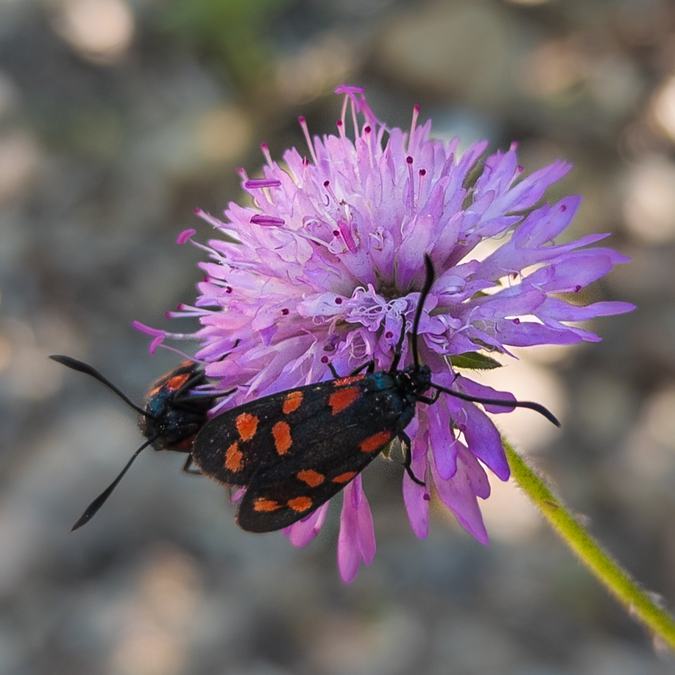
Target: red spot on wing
{"type": "Point", "coordinates": [247, 425]}
{"type": "Point", "coordinates": [300, 504]}
{"type": "Point", "coordinates": [234, 458]}
{"type": "Point", "coordinates": [342, 398]}
{"type": "Point", "coordinates": [343, 478]}
{"type": "Point", "coordinates": [292, 402]}
{"type": "Point", "coordinates": [343, 381]}
{"type": "Point", "coordinates": [281, 433]}
{"type": "Point", "coordinates": [261, 504]}
{"type": "Point", "coordinates": [375, 442]}
{"type": "Point", "coordinates": [310, 477]}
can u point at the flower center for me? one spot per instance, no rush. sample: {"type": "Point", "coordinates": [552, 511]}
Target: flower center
{"type": "Point", "coordinates": [389, 291]}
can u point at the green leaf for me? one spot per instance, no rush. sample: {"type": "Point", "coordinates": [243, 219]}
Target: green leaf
{"type": "Point", "coordinates": [474, 361]}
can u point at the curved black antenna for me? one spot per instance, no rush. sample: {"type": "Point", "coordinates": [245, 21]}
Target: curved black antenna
{"type": "Point", "coordinates": [428, 283]}
{"type": "Point", "coordinates": [399, 347]}
{"type": "Point", "coordinates": [91, 510]}
{"type": "Point", "coordinates": [85, 368]}
{"type": "Point", "coordinates": [537, 407]}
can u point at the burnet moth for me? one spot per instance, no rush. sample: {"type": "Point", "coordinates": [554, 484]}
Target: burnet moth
{"type": "Point", "coordinates": [294, 450]}
{"type": "Point", "coordinates": [172, 416]}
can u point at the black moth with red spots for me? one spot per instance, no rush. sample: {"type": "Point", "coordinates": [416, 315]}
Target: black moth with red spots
{"type": "Point", "coordinates": [296, 449]}
{"type": "Point", "coordinates": [172, 416]}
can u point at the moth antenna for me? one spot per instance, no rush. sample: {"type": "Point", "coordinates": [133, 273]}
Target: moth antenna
{"type": "Point", "coordinates": [93, 508]}
{"type": "Point", "coordinates": [537, 407]}
{"type": "Point", "coordinates": [85, 368]}
{"type": "Point", "coordinates": [399, 347]}
{"type": "Point", "coordinates": [428, 283]}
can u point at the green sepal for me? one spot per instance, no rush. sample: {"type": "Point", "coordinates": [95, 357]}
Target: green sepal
{"type": "Point", "coordinates": [474, 361]}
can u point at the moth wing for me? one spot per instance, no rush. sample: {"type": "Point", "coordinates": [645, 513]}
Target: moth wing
{"type": "Point", "coordinates": [250, 439]}
{"type": "Point", "coordinates": [291, 490]}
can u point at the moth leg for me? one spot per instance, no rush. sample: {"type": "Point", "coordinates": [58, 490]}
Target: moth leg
{"type": "Point", "coordinates": [188, 468]}
{"type": "Point", "coordinates": [430, 399]}
{"type": "Point", "coordinates": [407, 462]}
{"type": "Point", "coordinates": [334, 372]}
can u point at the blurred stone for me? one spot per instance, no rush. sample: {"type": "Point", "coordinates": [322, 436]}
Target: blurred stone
{"type": "Point", "coordinates": [313, 68]}
{"type": "Point", "coordinates": [391, 643]}
{"type": "Point", "coordinates": [647, 279]}
{"type": "Point", "coordinates": [19, 160]}
{"type": "Point", "coordinates": [223, 134]}
{"type": "Point", "coordinates": [9, 95]}
{"type": "Point", "coordinates": [508, 513]}
{"type": "Point", "coordinates": [616, 85]}
{"type": "Point", "coordinates": [473, 646]}
{"type": "Point", "coordinates": [649, 200]}
{"type": "Point", "coordinates": [603, 405]}
{"type": "Point", "coordinates": [435, 49]}
{"type": "Point", "coordinates": [552, 67]}
{"type": "Point", "coordinates": [99, 30]}
{"type": "Point", "coordinates": [613, 658]}
{"type": "Point", "coordinates": [662, 108]}
{"type": "Point", "coordinates": [659, 417]}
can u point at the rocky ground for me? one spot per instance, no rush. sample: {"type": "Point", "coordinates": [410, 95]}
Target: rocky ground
{"type": "Point", "coordinates": [117, 118]}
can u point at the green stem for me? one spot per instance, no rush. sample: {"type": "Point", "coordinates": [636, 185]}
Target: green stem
{"type": "Point", "coordinates": [597, 560]}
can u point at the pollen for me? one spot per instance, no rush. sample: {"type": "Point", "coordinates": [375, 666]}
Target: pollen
{"type": "Point", "coordinates": [343, 478]}
{"type": "Point", "coordinates": [282, 437]}
{"type": "Point", "coordinates": [375, 442]}
{"type": "Point", "coordinates": [234, 458]}
{"type": "Point", "coordinates": [261, 504]}
{"type": "Point", "coordinates": [310, 477]}
{"type": "Point", "coordinates": [247, 425]}
{"type": "Point", "coordinates": [292, 402]}
{"type": "Point", "coordinates": [300, 504]}
{"type": "Point", "coordinates": [342, 398]}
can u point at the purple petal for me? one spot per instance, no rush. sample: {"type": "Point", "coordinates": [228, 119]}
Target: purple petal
{"type": "Point", "coordinates": [459, 495]}
{"type": "Point", "coordinates": [356, 540]}
{"type": "Point", "coordinates": [416, 497]}
{"type": "Point", "coordinates": [484, 441]}
{"type": "Point", "coordinates": [443, 443]}
{"type": "Point", "coordinates": [473, 388]}
{"type": "Point", "coordinates": [513, 301]}
{"type": "Point", "coordinates": [476, 475]}
{"type": "Point", "coordinates": [366, 530]}
{"type": "Point", "coordinates": [304, 531]}
{"type": "Point", "coordinates": [559, 310]}
{"type": "Point", "coordinates": [574, 272]}
{"type": "Point", "coordinates": [546, 223]}
{"type": "Point", "coordinates": [531, 189]}
{"type": "Point", "coordinates": [527, 333]}
{"type": "Point", "coordinates": [185, 236]}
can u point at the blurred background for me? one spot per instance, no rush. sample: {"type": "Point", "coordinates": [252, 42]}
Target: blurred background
{"type": "Point", "coordinates": [117, 119]}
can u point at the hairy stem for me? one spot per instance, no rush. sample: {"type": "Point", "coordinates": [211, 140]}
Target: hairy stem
{"type": "Point", "coordinates": [618, 581]}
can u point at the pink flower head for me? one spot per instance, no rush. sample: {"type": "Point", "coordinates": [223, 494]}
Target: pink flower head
{"type": "Point", "coordinates": [328, 259]}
